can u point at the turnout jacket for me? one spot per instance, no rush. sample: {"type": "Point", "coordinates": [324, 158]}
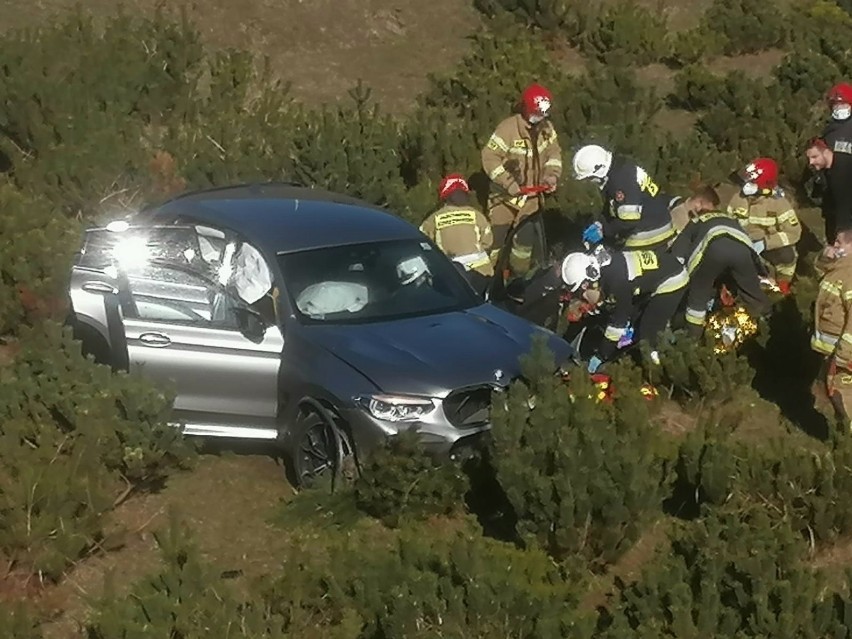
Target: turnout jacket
{"type": "Point", "coordinates": [636, 212]}
{"type": "Point", "coordinates": [692, 242]}
{"type": "Point", "coordinates": [833, 313]}
{"type": "Point", "coordinates": [463, 233]}
{"type": "Point", "coordinates": [629, 279]}
{"type": "Point", "coordinates": [520, 154]}
{"type": "Point", "coordinates": [767, 217]}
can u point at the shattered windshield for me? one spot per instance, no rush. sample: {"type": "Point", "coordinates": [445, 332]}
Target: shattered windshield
{"type": "Point", "coordinates": [374, 282]}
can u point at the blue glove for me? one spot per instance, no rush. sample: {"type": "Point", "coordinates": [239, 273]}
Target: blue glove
{"type": "Point", "coordinates": [759, 246]}
{"type": "Point", "coordinates": [593, 233]}
{"type": "Point", "coordinates": [627, 338]}
{"type": "Point", "coordinates": [594, 363]}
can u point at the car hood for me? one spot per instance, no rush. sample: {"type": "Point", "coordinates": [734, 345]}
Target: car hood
{"type": "Point", "coordinates": [435, 354]}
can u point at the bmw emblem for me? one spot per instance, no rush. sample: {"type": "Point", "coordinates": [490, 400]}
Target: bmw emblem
{"type": "Point", "coordinates": [498, 374]}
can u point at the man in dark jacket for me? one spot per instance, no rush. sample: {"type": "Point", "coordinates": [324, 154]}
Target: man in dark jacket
{"type": "Point", "coordinates": [837, 190]}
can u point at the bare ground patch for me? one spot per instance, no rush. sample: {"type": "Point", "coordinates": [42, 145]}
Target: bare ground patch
{"type": "Point", "coordinates": [323, 47]}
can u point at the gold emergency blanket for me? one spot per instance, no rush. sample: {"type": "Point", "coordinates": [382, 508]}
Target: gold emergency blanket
{"type": "Point", "coordinates": [730, 327]}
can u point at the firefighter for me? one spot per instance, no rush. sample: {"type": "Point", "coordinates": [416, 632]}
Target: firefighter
{"type": "Point", "coordinates": [832, 336]}
{"type": "Point", "coordinates": [714, 247]}
{"type": "Point", "coordinates": [837, 193]}
{"type": "Point", "coordinates": [645, 286]}
{"type": "Point", "coordinates": [838, 130]}
{"type": "Point", "coordinates": [461, 231]}
{"type": "Point", "coordinates": [522, 152]}
{"type": "Point", "coordinates": [769, 219]}
{"type": "Point", "coordinates": [636, 212]}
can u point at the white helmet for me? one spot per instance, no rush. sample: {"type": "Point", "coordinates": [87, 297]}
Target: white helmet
{"type": "Point", "coordinates": [592, 161]}
{"type": "Point", "coordinates": [578, 268]}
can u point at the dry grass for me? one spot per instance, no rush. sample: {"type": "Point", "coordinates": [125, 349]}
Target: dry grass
{"type": "Point", "coordinates": [226, 501]}
{"type": "Point", "coordinates": [323, 47]}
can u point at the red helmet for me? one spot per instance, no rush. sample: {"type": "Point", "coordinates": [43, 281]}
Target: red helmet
{"type": "Point", "coordinates": [760, 175]}
{"type": "Point", "coordinates": [535, 102]}
{"type": "Point", "coordinates": [839, 93]}
{"type": "Point", "coordinates": [451, 183]}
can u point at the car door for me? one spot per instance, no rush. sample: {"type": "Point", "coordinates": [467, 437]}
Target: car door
{"type": "Point", "coordinates": [185, 326]}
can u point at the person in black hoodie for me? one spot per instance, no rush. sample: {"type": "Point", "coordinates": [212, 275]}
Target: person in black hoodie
{"type": "Point", "coordinates": [837, 188]}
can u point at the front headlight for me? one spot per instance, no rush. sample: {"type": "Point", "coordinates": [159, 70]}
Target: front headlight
{"type": "Point", "coordinates": [397, 408]}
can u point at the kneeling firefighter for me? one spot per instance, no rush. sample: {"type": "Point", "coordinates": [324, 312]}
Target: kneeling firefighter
{"type": "Point", "coordinates": [769, 219]}
{"type": "Point", "coordinates": [713, 246]}
{"type": "Point", "coordinates": [461, 231]}
{"type": "Point", "coordinates": [642, 286]}
{"type": "Point", "coordinates": [832, 336]}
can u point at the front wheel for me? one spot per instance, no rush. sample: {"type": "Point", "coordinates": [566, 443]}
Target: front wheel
{"type": "Point", "coordinates": [322, 451]}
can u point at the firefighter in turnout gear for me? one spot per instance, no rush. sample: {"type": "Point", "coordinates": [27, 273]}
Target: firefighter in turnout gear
{"type": "Point", "coordinates": [642, 287]}
{"type": "Point", "coordinates": [636, 212]}
{"type": "Point", "coordinates": [522, 152]}
{"type": "Point", "coordinates": [461, 231]}
{"type": "Point", "coordinates": [714, 247]}
{"type": "Point", "coordinates": [838, 130]}
{"type": "Point", "coordinates": [832, 336]}
{"type": "Point", "coordinates": [769, 219]}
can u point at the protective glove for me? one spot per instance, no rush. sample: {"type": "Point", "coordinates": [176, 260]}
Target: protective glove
{"type": "Point", "coordinates": [593, 233]}
{"type": "Point", "coordinates": [759, 246]}
{"type": "Point", "coordinates": [513, 189]}
{"type": "Point", "coordinates": [626, 339]}
{"type": "Point", "coordinates": [594, 364]}
{"type": "Point", "coordinates": [550, 181]}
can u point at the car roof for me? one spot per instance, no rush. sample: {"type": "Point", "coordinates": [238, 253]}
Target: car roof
{"type": "Point", "coordinates": [284, 217]}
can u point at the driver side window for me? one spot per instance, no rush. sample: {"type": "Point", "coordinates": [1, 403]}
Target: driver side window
{"type": "Point", "coordinates": [185, 274]}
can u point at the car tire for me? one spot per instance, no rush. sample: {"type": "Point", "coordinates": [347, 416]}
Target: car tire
{"type": "Point", "coordinates": [321, 451]}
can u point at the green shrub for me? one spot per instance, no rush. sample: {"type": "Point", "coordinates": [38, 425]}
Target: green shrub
{"type": "Point", "coordinates": [583, 478]}
{"type": "Point", "coordinates": [78, 100]}
{"type": "Point", "coordinates": [400, 481]}
{"type": "Point", "coordinates": [17, 623]}
{"type": "Point", "coordinates": [622, 33]}
{"type": "Point", "coordinates": [693, 45]}
{"type": "Point", "coordinates": [806, 488]}
{"type": "Point", "coordinates": [72, 437]}
{"type": "Point", "coordinates": [697, 88]}
{"type": "Point", "coordinates": [546, 14]}
{"type": "Point", "coordinates": [691, 369]}
{"type": "Point", "coordinates": [35, 268]}
{"type": "Point", "coordinates": [419, 586]}
{"type": "Point", "coordinates": [748, 26]}
{"type": "Point", "coordinates": [186, 599]}
{"type": "Point", "coordinates": [731, 574]}
{"type": "Point", "coordinates": [438, 585]}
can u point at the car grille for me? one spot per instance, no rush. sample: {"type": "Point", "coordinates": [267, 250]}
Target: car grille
{"type": "Point", "coordinates": [468, 407]}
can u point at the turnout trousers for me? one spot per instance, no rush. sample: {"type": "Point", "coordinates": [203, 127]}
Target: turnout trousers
{"type": "Point", "coordinates": [724, 258]}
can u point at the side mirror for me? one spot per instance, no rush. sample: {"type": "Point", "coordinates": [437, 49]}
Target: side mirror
{"type": "Point", "coordinates": [251, 324]}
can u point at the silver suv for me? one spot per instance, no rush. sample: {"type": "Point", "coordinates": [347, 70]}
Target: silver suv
{"type": "Point", "coordinates": [286, 313]}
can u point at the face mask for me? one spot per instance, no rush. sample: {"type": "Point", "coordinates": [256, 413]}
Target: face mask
{"type": "Point", "coordinates": [841, 112]}
{"type": "Point", "coordinates": [535, 119]}
{"type": "Point", "coordinates": [749, 188]}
